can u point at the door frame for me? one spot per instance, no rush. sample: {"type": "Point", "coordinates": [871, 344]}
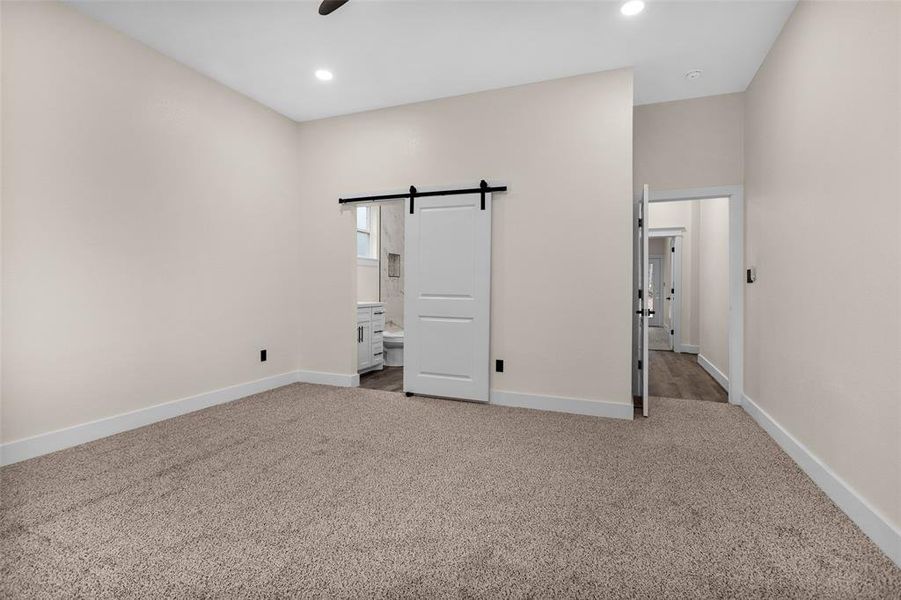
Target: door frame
{"type": "Point", "coordinates": [350, 202]}
{"type": "Point", "coordinates": [352, 208]}
{"type": "Point", "coordinates": [735, 193]}
{"type": "Point", "coordinates": [676, 234]}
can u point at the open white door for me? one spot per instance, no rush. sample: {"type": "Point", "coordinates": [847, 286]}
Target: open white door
{"type": "Point", "coordinates": [447, 241]}
{"type": "Point", "coordinates": [677, 294]}
{"type": "Point", "coordinates": [644, 313]}
{"type": "Point", "coordinates": [671, 293]}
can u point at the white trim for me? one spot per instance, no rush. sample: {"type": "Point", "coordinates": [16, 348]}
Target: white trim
{"type": "Point", "coordinates": [689, 349]}
{"type": "Point", "coordinates": [677, 292]}
{"type": "Point", "coordinates": [363, 261]}
{"type": "Point", "coordinates": [713, 371]}
{"type": "Point", "coordinates": [702, 193]}
{"type": "Point", "coordinates": [44, 443]}
{"type": "Point", "coordinates": [666, 232]}
{"type": "Point", "coordinates": [872, 522]}
{"type": "Point", "coordinates": [736, 294]}
{"type": "Point", "coordinates": [577, 406]}
{"type": "Point", "coordinates": [735, 193]}
{"type": "Point", "coordinates": [323, 378]}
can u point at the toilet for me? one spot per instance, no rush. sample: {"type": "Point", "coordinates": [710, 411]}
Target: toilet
{"type": "Point", "coordinates": [393, 341]}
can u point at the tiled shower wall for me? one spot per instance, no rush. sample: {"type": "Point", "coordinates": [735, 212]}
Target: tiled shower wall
{"type": "Point", "coordinates": [392, 241]}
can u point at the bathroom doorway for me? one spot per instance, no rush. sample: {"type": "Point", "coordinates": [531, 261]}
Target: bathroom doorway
{"type": "Point", "coordinates": [441, 334]}
{"type": "Point", "coordinates": [380, 295]}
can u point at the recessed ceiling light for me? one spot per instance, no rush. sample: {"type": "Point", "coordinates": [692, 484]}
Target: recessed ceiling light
{"type": "Point", "coordinates": [324, 75]}
{"type": "Point", "coordinates": [693, 74]}
{"type": "Point", "coordinates": [632, 8]}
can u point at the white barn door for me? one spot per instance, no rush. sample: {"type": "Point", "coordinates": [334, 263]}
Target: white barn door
{"type": "Point", "coordinates": [447, 242]}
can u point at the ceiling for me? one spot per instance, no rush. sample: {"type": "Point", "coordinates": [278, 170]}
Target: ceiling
{"type": "Point", "coordinates": [386, 53]}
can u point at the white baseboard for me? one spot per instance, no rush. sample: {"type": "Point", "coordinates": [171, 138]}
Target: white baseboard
{"type": "Point", "coordinates": [337, 379]}
{"type": "Point", "coordinates": [869, 519]}
{"type": "Point", "coordinates": [713, 371]}
{"type": "Point", "coordinates": [689, 349]}
{"type": "Point", "coordinates": [44, 443]}
{"type": "Point", "coordinates": [596, 408]}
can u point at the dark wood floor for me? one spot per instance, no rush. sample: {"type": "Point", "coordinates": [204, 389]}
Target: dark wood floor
{"type": "Point", "coordinates": [390, 379]}
{"type": "Point", "coordinates": [675, 375]}
{"type": "Point", "coordinates": [671, 376]}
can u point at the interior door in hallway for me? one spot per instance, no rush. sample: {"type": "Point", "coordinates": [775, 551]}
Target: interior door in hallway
{"type": "Point", "coordinates": [447, 290]}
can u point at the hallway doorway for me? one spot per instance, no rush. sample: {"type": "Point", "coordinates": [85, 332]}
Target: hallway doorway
{"type": "Point", "coordinates": [688, 331]}
{"type": "Point", "coordinates": [699, 275]}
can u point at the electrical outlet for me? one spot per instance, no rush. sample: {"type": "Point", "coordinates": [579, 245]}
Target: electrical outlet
{"type": "Point", "coordinates": [263, 355]}
{"type": "Point", "coordinates": [499, 365]}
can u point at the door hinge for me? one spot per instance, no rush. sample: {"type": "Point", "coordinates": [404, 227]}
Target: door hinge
{"type": "Point", "coordinates": [672, 290]}
{"type": "Point", "coordinates": [412, 197]}
{"type": "Point", "coordinates": [672, 332]}
{"type": "Point", "coordinates": [639, 365]}
{"type": "Point", "coordinates": [640, 222]}
{"type": "Point", "coordinates": [673, 249]}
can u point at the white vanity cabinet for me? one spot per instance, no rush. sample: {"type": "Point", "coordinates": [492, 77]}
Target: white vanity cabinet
{"type": "Point", "coordinates": [370, 325]}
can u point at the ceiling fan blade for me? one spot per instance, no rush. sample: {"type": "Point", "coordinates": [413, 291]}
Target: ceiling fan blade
{"type": "Point", "coordinates": [329, 6]}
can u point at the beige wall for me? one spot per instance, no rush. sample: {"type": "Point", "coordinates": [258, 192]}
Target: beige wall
{"type": "Point", "coordinates": [181, 223]}
{"type": "Point", "coordinates": [151, 221]}
{"type": "Point", "coordinates": [560, 290]}
{"type": "Point", "coordinates": [823, 330]}
{"type": "Point", "coordinates": [713, 282]}
{"type": "Point", "coordinates": [689, 143]}
{"type": "Point", "coordinates": [664, 215]}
